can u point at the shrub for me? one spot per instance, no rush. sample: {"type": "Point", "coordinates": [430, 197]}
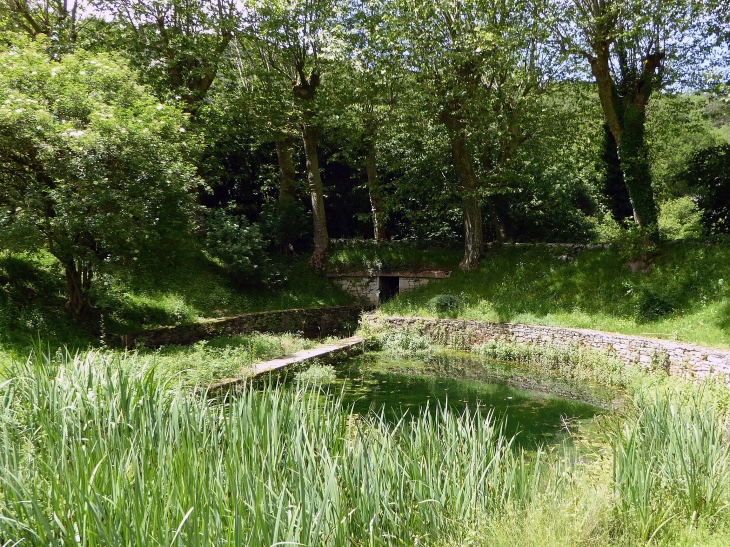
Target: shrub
{"type": "Point", "coordinates": [680, 219]}
{"type": "Point", "coordinates": [708, 175]}
{"type": "Point", "coordinates": [405, 341]}
{"type": "Point", "coordinates": [445, 305]}
{"type": "Point", "coordinates": [287, 225]}
{"type": "Point", "coordinates": [652, 304]}
{"type": "Point", "coordinates": [239, 246]}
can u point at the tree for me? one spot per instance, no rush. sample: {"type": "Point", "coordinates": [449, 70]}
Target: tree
{"type": "Point", "coordinates": [633, 48]}
{"type": "Point", "coordinates": [177, 45]}
{"type": "Point", "coordinates": [92, 167]}
{"type": "Point", "coordinates": [59, 20]}
{"type": "Point", "coordinates": [292, 36]}
{"type": "Point", "coordinates": [478, 60]}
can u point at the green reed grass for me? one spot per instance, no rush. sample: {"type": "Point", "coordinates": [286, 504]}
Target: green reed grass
{"type": "Point", "coordinates": [671, 462]}
{"type": "Point", "coordinates": [92, 453]}
{"type": "Point", "coordinates": [94, 450]}
{"type": "Point", "coordinates": [566, 361]}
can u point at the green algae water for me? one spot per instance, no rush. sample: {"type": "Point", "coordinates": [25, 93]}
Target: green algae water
{"type": "Point", "coordinates": [540, 411]}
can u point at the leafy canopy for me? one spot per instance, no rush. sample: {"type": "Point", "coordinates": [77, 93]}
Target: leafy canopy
{"type": "Point", "coordinates": [91, 166]}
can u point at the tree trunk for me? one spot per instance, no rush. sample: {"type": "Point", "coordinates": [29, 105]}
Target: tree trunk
{"type": "Point", "coordinates": [287, 173]}
{"type": "Point", "coordinates": [78, 282]}
{"type": "Point", "coordinates": [304, 90]}
{"type": "Point", "coordinates": [473, 233]}
{"type": "Point", "coordinates": [321, 237]}
{"type": "Point", "coordinates": [500, 232]}
{"type": "Point", "coordinates": [625, 116]}
{"type": "Point", "coordinates": [614, 185]}
{"type": "Point", "coordinates": [637, 173]}
{"type": "Point", "coordinates": [376, 197]}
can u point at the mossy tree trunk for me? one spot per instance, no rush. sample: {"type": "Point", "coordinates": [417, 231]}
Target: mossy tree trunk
{"type": "Point", "coordinates": [614, 186]}
{"type": "Point", "coordinates": [305, 90]}
{"type": "Point", "coordinates": [625, 111]}
{"type": "Point", "coordinates": [468, 186]}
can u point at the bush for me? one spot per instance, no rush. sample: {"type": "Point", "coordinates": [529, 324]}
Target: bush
{"type": "Point", "coordinates": [652, 304]}
{"type": "Point", "coordinates": [708, 175]}
{"type": "Point", "coordinates": [445, 305]}
{"type": "Point", "coordinates": [239, 246]}
{"type": "Point", "coordinates": [680, 219]}
{"type": "Point", "coordinates": [406, 341]}
{"type": "Point", "coordinates": [287, 225]}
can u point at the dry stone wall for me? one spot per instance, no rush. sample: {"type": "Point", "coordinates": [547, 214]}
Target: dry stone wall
{"type": "Point", "coordinates": [686, 360]}
{"type": "Point", "coordinates": [316, 321]}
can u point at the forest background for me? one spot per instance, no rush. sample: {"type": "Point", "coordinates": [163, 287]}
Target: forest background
{"type": "Point", "coordinates": [136, 136]}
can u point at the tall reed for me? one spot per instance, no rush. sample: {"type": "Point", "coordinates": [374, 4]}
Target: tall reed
{"type": "Point", "coordinates": [93, 454]}
{"type": "Point", "coordinates": [671, 462]}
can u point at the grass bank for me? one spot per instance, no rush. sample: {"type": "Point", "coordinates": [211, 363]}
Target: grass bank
{"type": "Point", "coordinates": [32, 296]}
{"type": "Point", "coordinates": [98, 451]}
{"type": "Point", "coordinates": [684, 296]}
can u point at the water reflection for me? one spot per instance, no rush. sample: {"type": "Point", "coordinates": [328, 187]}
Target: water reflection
{"type": "Point", "coordinates": [535, 408]}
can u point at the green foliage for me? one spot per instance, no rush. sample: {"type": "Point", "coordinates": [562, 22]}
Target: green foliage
{"type": "Point", "coordinates": [94, 169]}
{"type": "Point", "coordinates": [671, 462]}
{"type": "Point", "coordinates": [592, 288]}
{"type": "Point", "coordinates": [445, 305]}
{"type": "Point", "coordinates": [653, 303]}
{"type": "Point", "coordinates": [122, 461]}
{"type": "Point", "coordinates": [389, 256]}
{"type": "Point", "coordinates": [680, 219]}
{"type": "Point", "coordinates": [287, 225]}
{"type": "Point", "coordinates": [404, 342]}
{"type": "Point", "coordinates": [190, 288]}
{"type": "Point", "coordinates": [708, 175]}
{"type": "Point", "coordinates": [316, 375]}
{"type": "Point", "coordinates": [567, 362]}
{"type": "Point", "coordinates": [239, 246]}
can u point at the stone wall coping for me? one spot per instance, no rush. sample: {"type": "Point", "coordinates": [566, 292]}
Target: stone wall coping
{"type": "Point", "coordinates": [668, 344]}
{"type": "Point", "coordinates": [425, 274]}
{"type": "Point", "coordinates": [322, 320]}
{"type": "Point", "coordinates": [212, 321]}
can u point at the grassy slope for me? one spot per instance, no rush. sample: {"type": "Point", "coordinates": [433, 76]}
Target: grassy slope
{"type": "Point", "coordinates": [684, 297]}
{"type": "Point", "coordinates": [32, 299]}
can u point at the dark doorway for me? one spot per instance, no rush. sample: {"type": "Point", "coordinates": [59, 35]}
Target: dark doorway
{"type": "Point", "coordinates": [388, 285]}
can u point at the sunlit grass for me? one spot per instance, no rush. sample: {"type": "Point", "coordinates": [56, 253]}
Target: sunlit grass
{"type": "Point", "coordinates": [685, 296]}
{"type": "Point", "coordinates": [99, 449]}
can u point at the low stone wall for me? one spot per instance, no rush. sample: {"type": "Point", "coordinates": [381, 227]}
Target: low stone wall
{"type": "Point", "coordinates": [686, 360]}
{"type": "Point", "coordinates": [316, 321]}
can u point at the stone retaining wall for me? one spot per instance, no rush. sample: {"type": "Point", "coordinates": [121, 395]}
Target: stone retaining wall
{"type": "Point", "coordinates": [317, 321]}
{"type": "Point", "coordinates": [686, 360]}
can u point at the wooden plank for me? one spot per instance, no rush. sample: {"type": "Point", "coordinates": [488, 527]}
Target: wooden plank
{"type": "Point", "coordinates": [324, 350]}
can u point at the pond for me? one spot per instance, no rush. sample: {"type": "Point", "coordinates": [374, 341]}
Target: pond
{"type": "Point", "coordinates": [539, 410]}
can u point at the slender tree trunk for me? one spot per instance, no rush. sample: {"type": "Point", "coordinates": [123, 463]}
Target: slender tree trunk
{"type": "Point", "coordinates": [473, 233]}
{"type": "Point", "coordinates": [287, 173]}
{"type": "Point", "coordinates": [500, 233]}
{"type": "Point", "coordinates": [78, 283]}
{"type": "Point", "coordinates": [321, 237]}
{"type": "Point", "coordinates": [304, 90]}
{"type": "Point", "coordinates": [376, 197]}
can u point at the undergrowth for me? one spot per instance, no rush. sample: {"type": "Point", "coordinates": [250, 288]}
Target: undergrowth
{"type": "Point", "coordinates": [32, 297]}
